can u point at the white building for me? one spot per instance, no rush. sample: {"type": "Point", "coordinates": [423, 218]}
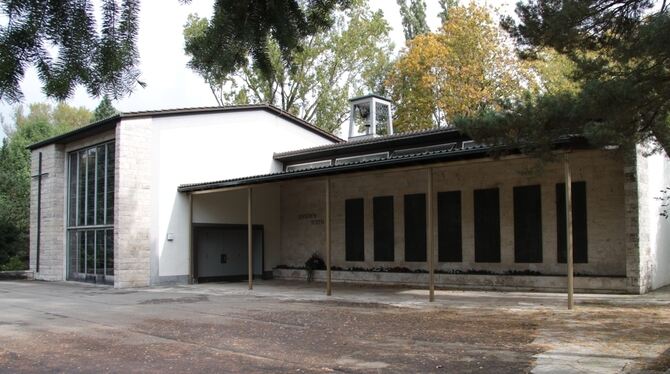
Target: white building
{"type": "Point", "coordinates": [160, 197]}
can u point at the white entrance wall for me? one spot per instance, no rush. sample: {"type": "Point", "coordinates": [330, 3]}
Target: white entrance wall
{"type": "Point", "coordinates": [659, 227]}
{"type": "Point", "coordinates": [208, 147]}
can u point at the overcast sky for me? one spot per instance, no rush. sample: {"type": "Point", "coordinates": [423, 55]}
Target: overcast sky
{"type": "Point", "coordinates": [170, 83]}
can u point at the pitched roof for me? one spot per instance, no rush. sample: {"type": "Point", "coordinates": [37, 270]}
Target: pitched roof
{"type": "Point", "coordinates": [110, 123]}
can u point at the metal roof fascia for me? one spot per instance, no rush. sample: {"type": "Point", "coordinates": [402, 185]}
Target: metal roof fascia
{"type": "Point", "coordinates": [335, 169]}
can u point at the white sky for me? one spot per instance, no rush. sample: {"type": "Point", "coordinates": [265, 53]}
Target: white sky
{"type": "Point", "coordinates": [170, 83]}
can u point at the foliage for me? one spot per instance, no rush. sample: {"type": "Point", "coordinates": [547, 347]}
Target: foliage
{"type": "Point", "coordinates": [466, 67]}
{"type": "Point", "coordinates": [330, 67]}
{"type": "Point", "coordinates": [621, 63]}
{"type": "Point", "coordinates": [14, 263]}
{"type": "Point", "coordinates": [445, 5]}
{"type": "Point", "coordinates": [41, 122]}
{"type": "Point", "coordinates": [314, 262]}
{"type": "Point", "coordinates": [240, 29]}
{"type": "Point", "coordinates": [61, 40]}
{"type": "Point", "coordinates": [413, 18]}
{"type": "Point", "coordinates": [104, 110]}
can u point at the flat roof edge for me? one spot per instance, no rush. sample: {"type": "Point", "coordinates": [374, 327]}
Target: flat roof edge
{"type": "Point", "coordinates": [336, 169]}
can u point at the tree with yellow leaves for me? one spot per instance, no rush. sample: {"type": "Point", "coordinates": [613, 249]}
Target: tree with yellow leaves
{"type": "Point", "coordinates": [467, 66]}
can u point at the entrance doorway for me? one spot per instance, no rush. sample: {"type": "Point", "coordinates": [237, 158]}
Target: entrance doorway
{"type": "Point", "coordinates": [221, 252]}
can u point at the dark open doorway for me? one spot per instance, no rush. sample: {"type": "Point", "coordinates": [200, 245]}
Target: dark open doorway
{"type": "Point", "coordinates": [221, 252]}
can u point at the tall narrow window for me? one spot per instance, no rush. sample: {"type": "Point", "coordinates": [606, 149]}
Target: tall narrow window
{"type": "Point", "coordinates": [90, 220]}
{"type": "Point", "coordinates": [579, 229]}
{"type": "Point", "coordinates": [109, 184]}
{"type": "Point", "coordinates": [450, 247]}
{"type": "Point", "coordinates": [100, 185]}
{"type": "Point", "coordinates": [354, 239]}
{"type": "Point", "coordinates": [487, 225]}
{"type": "Point", "coordinates": [382, 211]}
{"type": "Point", "coordinates": [415, 227]}
{"type": "Point", "coordinates": [527, 224]}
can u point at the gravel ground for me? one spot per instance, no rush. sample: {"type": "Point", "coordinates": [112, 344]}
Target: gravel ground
{"type": "Point", "coordinates": [292, 327]}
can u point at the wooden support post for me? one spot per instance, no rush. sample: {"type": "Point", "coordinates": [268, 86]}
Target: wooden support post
{"type": "Point", "coordinates": [568, 231]}
{"type": "Point", "coordinates": [191, 261]}
{"type": "Point", "coordinates": [250, 246]}
{"type": "Point", "coordinates": [431, 249]}
{"type": "Point", "coordinates": [328, 278]}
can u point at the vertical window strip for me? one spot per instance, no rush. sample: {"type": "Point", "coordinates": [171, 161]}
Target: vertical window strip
{"type": "Point", "coordinates": [89, 242]}
{"type": "Point", "coordinates": [528, 224]}
{"type": "Point", "coordinates": [104, 219]}
{"type": "Point", "coordinates": [487, 225]}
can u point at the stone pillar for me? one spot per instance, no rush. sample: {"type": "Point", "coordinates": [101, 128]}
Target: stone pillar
{"type": "Point", "coordinates": [132, 208]}
{"type": "Point", "coordinates": [637, 242]}
{"type": "Point", "coordinates": [52, 236]}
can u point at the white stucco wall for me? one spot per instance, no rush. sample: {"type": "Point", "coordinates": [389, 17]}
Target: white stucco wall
{"type": "Point", "coordinates": [659, 227]}
{"type": "Point", "coordinates": [209, 147]}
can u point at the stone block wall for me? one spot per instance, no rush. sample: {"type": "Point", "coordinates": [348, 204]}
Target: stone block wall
{"type": "Point", "coordinates": [303, 204]}
{"type": "Point", "coordinates": [52, 235]}
{"type": "Point", "coordinates": [639, 262]}
{"type": "Point", "coordinates": [132, 208]}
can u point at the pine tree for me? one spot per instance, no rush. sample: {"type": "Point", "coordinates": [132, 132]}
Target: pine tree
{"type": "Point", "coordinates": [621, 56]}
{"type": "Point", "coordinates": [104, 62]}
{"type": "Point", "coordinates": [104, 110]}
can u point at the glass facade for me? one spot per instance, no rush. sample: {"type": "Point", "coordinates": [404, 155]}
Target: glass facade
{"type": "Point", "coordinates": [90, 221]}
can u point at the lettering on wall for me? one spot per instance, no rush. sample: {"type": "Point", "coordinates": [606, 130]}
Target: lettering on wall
{"type": "Point", "coordinates": [311, 218]}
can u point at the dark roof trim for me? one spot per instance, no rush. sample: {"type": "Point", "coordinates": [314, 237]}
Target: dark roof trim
{"type": "Point", "coordinates": [82, 132]}
{"type": "Point", "coordinates": [405, 139]}
{"type": "Point", "coordinates": [400, 161]}
{"type": "Point", "coordinates": [369, 96]}
{"type": "Point", "coordinates": [110, 122]}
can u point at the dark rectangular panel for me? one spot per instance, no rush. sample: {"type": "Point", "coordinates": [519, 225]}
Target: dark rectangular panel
{"type": "Point", "coordinates": [354, 243]}
{"type": "Point", "coordinates": [528, 224]}
{"type": "Point", "coordinates": [109, 249]}
{"type": "Point", "coordinates": [487, 225]}
{"type": "Point", "coordinates": [382, 211]}
{"type": "Point", "coordinates": [450, 243]}
{"type": "Point", "coordinates": [579, 228]}
{"type": "Point", "coordinates": [415, 227]}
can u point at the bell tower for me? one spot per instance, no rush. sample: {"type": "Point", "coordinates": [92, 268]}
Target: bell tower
{"type": "Point", "coordinates": [370, 116]}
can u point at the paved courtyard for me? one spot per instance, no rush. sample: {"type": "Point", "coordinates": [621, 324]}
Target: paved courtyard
{"type": "Point", "coordinates": [293, 327]}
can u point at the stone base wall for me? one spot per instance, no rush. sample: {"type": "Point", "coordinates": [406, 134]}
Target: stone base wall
{"type": "Point", "coordinates": [465, 281]}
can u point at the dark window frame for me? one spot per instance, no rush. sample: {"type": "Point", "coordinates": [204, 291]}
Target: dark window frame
{"type": "Point", "coordinates": [580, 239]}
{"type": "Point", "coordinates": [528, 224]}
{"type": "Point", "coordinates": [415, 227]}
{"type": "Point", "coordinates": [487, 218]}
{"type": "Point", "coordinates": [354, 229]}
{"type": "Point", "coordinates": [450, 226]}
{"type": "Point", "coordinates": [383, 228]}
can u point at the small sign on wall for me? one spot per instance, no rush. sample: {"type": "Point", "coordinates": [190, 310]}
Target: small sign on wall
{"type": "Point", "coordinates": [311, 217]}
